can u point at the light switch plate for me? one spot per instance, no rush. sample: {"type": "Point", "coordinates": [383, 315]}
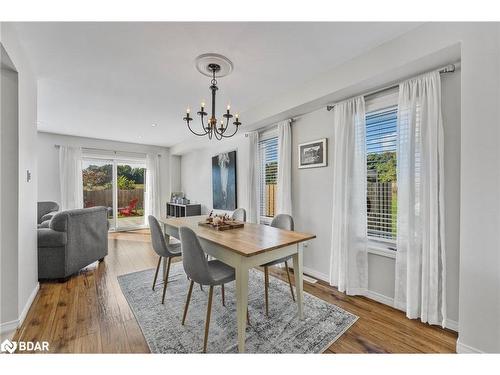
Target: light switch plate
{"type": "Point", "coordinates": [28, 175]}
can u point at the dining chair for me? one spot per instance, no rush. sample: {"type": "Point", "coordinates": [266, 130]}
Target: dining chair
{"type": "Point", "coordinates": [239, 214]}
{"type": "Point", "coordinates": [202, 271]}
{"type": "Point", "coordinates": [281, 221]}
{"type": "Point", "coordinates": [163, 249]}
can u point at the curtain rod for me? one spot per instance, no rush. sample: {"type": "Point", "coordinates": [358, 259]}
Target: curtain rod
{"type": "Point", "coordinates": [114, 151]}
{"type": "Point", "coordinates": [450, 68]}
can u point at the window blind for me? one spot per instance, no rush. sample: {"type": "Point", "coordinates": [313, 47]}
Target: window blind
{"type": "Point", "coordinates": [381, 198]}
{"type": "Point", "coordinates": [268, 150]}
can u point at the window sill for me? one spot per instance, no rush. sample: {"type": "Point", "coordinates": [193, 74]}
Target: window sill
{"type": "Point", "coordinates": [381, 249]}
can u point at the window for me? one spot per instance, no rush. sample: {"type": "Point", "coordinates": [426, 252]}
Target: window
{"type": "Point", "coordinates": [381, 195]}
{"type": "Point", "coordinates": [268, 149]}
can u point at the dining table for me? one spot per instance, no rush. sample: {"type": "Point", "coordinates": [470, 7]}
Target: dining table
{"type": "Point", "coordinates": [243, 249]}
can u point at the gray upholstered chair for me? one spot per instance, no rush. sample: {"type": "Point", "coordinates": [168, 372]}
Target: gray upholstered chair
{"type": "Point", "coordinates": [163, 249]}
{"type": "Point", "coordinates": [73, 240]}
{"type": "Point", "coordinates": [45, 212]}
{"type": "Point", "coordinates": [239, 214]}
{"type": "Point", "coordinates": [281, 221]}
{"type": "Point", "coordinates": [202, 271]}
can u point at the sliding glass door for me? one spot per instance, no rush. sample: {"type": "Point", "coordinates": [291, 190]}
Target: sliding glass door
{"type": "Point", "coordinates": [118, 185]}
{"type": "Point", "coordinates": [130, 193]}
{"type": "Point", "coordinates": [97, 176]}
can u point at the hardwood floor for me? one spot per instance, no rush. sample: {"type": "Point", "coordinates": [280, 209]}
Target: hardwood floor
{"type": "Point", "coordinates": [89, 314]}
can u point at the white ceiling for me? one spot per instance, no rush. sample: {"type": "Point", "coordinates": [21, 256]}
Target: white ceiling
{"type": "Point", "coordinates": [113, 80]}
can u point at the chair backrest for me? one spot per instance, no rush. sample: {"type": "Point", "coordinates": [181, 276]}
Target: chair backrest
{"type": "Point", "coordinates": [193, 257]}
{"type": "Point", "coordinates": [283, 221]}
{"type": "Point", "coordinates": [157, 238]}
{"type": "Point", "coordinates": [239, 214]}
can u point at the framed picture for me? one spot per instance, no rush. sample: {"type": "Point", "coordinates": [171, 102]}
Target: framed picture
{"type": "Point", "coordinates": [313, 154]}
{"type": "Point", "coordinates": [224, 186]}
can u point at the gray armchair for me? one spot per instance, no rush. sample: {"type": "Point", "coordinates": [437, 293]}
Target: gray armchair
{"type": "Point", "coordinates": [73, 240]}
{"type": "Point", "coordinates": [45, 212]}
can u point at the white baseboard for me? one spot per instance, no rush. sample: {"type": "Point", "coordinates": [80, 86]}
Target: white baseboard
{"type": "Point", "coordinates": [315, 274]}
{"type": "Point", "coordinates": [464, 348]}
{"type": "Point", "coordinates": [28, 304]}
{"type": "Point", "coordinates": [451, 324]}
{"type": "Point", "coordinates": [7, 329]}
{"type": "Point", "coordinates": [380, 298]}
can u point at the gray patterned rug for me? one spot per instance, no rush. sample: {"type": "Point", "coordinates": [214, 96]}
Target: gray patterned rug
{"type": "Point", "coordinates": [282, 332]}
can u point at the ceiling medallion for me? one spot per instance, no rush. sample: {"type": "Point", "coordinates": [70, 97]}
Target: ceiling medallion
{"type": "Point", "coordinates": [213, 65]}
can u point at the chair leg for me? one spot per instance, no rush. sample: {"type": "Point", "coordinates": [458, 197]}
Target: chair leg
{"type": "Point", "coordinates": [166, 280]}
{"type": "Point", "coordinates": [223, 297]}
{"type": "Point", "coordinates": [187, 301]}
{"type": "Point", "coordinates": [207, 321]}
{"type": "Point", "coordinates": [156, 273]}
{"type": "Point", "coordinates": [266, 288]}
{"type": "Point", "coordinates": [248, 317]}
{"type": "Point", "coordinates": [201, 287]}
{"type": "Point", "coordinates": [289, 281]}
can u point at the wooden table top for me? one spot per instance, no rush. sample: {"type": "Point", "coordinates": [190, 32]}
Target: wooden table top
{"type": "Point", "coordinates": [250, 240]}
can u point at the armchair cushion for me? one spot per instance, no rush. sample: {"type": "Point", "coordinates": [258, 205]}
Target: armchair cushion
{"type": "Point", "coordinates": [47, 217]}
{"type": "Point", "coordinates": [44, 224]}
{"type": "Point", "coordinates": [45, 208]}
{"type": "Point", "coordinates": [59, 222]}
{"type": "Point", "coordinates": [51, 238]}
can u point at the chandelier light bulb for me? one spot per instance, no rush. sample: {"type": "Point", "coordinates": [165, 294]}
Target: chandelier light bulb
{"type": "Point", "coordinates": [228, 107]}
{"type": "Point", "coordinates": [203, 104]}
{"type": "Point", "coordinates": [188, 110]}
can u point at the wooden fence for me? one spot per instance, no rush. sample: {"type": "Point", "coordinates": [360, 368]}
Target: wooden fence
{"type": "Point", "coordinates": [105, 198]}
{"type": "Point", "coordinates": [270, 197]}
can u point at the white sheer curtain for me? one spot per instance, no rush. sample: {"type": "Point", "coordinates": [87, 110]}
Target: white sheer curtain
{"type": "Point", "coordinates": [420, 260]}
{"type": "Point", "coordinates": [70, 177]}
{"type": "Point", "coordinates": [153, 203]}
{"type": "Point", "coordinates": [349, 269]}
{"type": "Point", "coordinates": [284, 202]}
{"type": "Point", "coordinates": [252, 177]}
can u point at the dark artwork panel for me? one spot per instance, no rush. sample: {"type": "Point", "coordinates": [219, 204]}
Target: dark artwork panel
{"type": "Point", "coordinates": [224, 181]}
{"type": "Point", "coordinates": [311, 154]}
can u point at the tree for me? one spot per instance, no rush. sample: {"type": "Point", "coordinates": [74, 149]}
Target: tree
{"type": "Point", "coordinates": [93, 178]}
{"type": "Point", "coordinates": [125, 184]}
{"type": "Point", "coordinates": [384, 164]}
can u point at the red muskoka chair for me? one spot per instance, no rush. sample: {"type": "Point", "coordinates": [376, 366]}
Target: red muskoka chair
{"type": "Point", "coordinates": [129, 210]}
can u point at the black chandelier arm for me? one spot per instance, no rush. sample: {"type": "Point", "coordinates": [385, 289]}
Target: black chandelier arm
{"type": "Point", "coordinates": [199, 135]}
{"type": "Point", "coordinates": [217, 135]}
{"type": "Point", "coordinates": [206, 130]}
{"type": "Point", "coordinates": [229, 136]}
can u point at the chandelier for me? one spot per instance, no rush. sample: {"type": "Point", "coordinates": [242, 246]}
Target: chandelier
{"type": "Point", "coordinates": [213, 65]}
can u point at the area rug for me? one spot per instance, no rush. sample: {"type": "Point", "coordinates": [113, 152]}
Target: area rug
{"type": "Point", "coordinates": [281, 332]}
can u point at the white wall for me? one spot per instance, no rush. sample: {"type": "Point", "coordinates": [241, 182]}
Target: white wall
{"type": "Point", "coordinates": [48, 162]}
{"type": "Point", "coordinates": [478, 47]}
{"type": "Point", "coordinates": [313, 188]}
{"type": "Point", "coordinates": [196, 172]}
{"type": "Point", "coordinates": [9, 194]}
{"type": "Point", "coordinates": [27, 275]}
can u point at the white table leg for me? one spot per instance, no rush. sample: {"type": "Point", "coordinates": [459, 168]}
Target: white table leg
{"type": "Point", "coordinates": [297, 272]}
{"type": "Point", "coordinates": [241, 304]}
